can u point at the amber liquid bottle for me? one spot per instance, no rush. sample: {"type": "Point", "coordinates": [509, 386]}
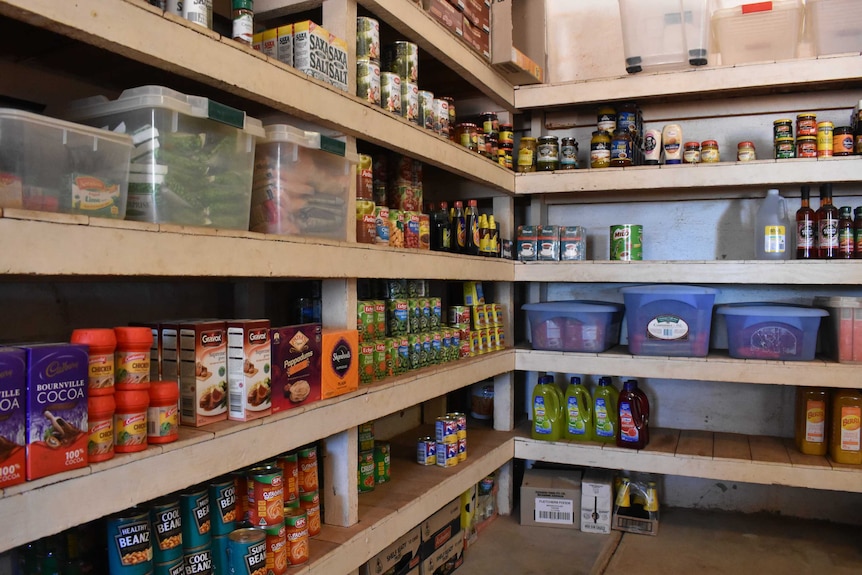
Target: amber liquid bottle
{"type": "Point", "coordinates": [846, 241]}
{"type": "Point", "coordinates": [827, 225]}
{"type": "Point", "coordinates": [806, 228]}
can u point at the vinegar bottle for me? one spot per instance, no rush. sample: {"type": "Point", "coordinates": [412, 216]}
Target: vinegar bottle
{"type": "Point", "coordinates": [547, 410]}
{"type": "Point", "coordinates": [578, 408]}
{"type": "Point", "coordinates": [811, 410]}
{"type": "Point", "coordinates": [633, 428]}
{"type": "Point", "coordinates": [845, 439]}
{"type": "Point", "coordinates": [827, 225]}
{"type": "Point", "coordinates": [770, 228]}
{"type": "Point", "coordinates": [806, 234]}
{"type": "Point", "coordinates": [605, 414]}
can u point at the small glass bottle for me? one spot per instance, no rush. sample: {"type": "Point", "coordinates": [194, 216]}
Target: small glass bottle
{"type": "Point", "coordinates": [709, 152]}
{"type": "Point", "coordinates": [621, 149]}
{"type": "Point", "coordinates": [527, 154]}
{"type": "Point", "coordinates": [806, 234]}
{"type": "Point", "coordinates": [827, 225]}
{"type": "Point", "coordinates": [568, 153]}
{"type": "Point", "coordinates": [547, 154]}
{"type": "Point", "coordinates": [745, 151]}
{"type": "Point", "coordinates": [857, 232]}
{"type": "Point", "coordinates": [846, 240]}
{"type": "Point", "coordinates": [243, 20]}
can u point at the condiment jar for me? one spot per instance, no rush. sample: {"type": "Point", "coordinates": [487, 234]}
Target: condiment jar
{"type": "Point", "coordinates": [806, 147]}
{"type": "Point", "coordinates": [782, 128]}
{"type": "Point", "coordinates": [132, 358]}
{"type": "Point", "coordinates": [569, 153]}
{"type": "Point", "coordinates": [745, 151]}
{"type": "Point", "coordinates": [709, 152]}
{"type": "Point", "coordinates": [806, 124]}
{"type": "Point", "coordinates": [547, 154]}
{"type": "Point", "coordinates": [506, 134]}
{"type": "Point", "coordinates": [102, 343]}
{"type": "Point", "coordinates": [100, 427]}
{"type": "Point", "coordinates": [824, 139]}
{"type": "Point", "coordinates": [842, 141]}
{"type": "Point", "coordinates": [130, 420]}
{"type": "Point", "coordinates": [490, 123]}
{"type": "Point", "coordinates": [162, 414]}
{"type": "Point", "coordinates": [505, 153]}
{"type": "Point", "coordinates": [621, 148]}
{"type": "Point", "coordinates": [480, 143]}
{"type": "Point", "coordinates": [606, 119]}
{"type": "Point", "coordinates": [785, 148]}
{"type": "Point", "coordinates": [467, 135]}
{"type": "Point", "coordinates": [600, 149]}
{"type": "Point", "coordinates": [527, 154]}
{"type": "Point", "coordinates": [691, 155]}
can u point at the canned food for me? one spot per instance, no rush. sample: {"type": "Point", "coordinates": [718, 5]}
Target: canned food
{"type": "Point", "coordinates": [410, 101]}
{"type": "Point", "coordinates": [310, 502]}
{"type": "Point", "coordinates": [626, 242]}
{"type": "Point", "coordinates": [441, 117]}
{"type": "Point", "coordinates": [246, 551]}
{"type": "Point", "coordinates": [174, 567]}
{"type": "Point", "coordinates": [806, 124]}
{"type": "Point", "coordinates": [222, 506]}
{"type": "Point", "coordinates": [368, 81]}
{"type": "Point", "coordinates": [462, 449]}
{"type": "Point", "coordinates": [446, 429]}
{"type": "Point", "coordinates": [308, 477]}
{"type": "Point", "coordinates": [382, 462]}
{"type": "Point", "coordinates": [447, 454]}
{"type": "Point", "coordinates": [167, 530]}
{"type": "Point", "coordinates": [219, 551]}
{"type": "Point", "coordinates": [806, 147]}
{"type": "Point", "coordinates": [367, 38]}
{"type": "Point", "coordinates": [402, 58]}
{"type": "Point", "coordinates": [459, 315]}
{"type": "Point", "coordinates": [276, 549]}
{"type": "Point", "coordinates": [199, 561]}
{"type": "Point", "coordinates": [547, 154]}
{"type": "Point", "coordinates": [296, 524]}
{"type": "Point", "coordinates": [289, 464]}
{"type": "Point", "coordinates": [381, 222]}
{"type": "Point", "coordinates": [426, 109]}
{"type": "Point", "coordinates": [460, 423]}
{"type": "Point", "coordinates": [265, 496]}
{"type": "Point", "coordinates": [195, 518]}
{"type": "Point", "coordinates": [390, 92]}
{"type": "Point", "coordinates": [785, 148]}
{"type": "Point", "coordinates": [450, 108]}
{"type": "Point", "coordinates": [426, 451]}
{"type": "Point", "coordinates": [240, 484]}
{"type": "Point", "coordinates": [824, 139]}
{"type": "Point", "coordinates": [129, 544]}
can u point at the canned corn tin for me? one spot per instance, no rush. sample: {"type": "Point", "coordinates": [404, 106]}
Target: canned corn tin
{"type": "Point", "coordinates": [246, 551]}
{"type": "Point", "coordinates": [219, 551]}
{"type": "Point", "coordinates": [198, 561]}
{"type": "Point", "coordinates": [310, 502]}
{"type": "Point", "coordinates": [626, 242]}
{"type": "Point", "coordinates": [446, 429]}
{"type": "Point", "coordinates": [461, 423]}
{"type": "Point", "coordinates": [265, 496]}
{"type": "Point", "coordinates": [366, 471]}
{"type": "Point", "coordinates": [296, 524]}
{"type": "Point", "coordinates": [426, 451]}
{"type": "Point", "coordinates": [447, 454]}
{"type": "Point", "coordinates": [382, 462]}
{"type": "Point", "coordinates": [167, 531]}
{"type": "Point", "coordinates": [276, 549]}
{"type": "Point", "coordinates": [130, 550]}
{"type": "Point", "coordinates": [462, 448]}
{"type": "Point", "coordinates": [222, 506]}
{"type": "Point", "coordinates": [195, 518]}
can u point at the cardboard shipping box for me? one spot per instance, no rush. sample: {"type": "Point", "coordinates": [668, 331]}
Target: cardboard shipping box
{"type": "Point", "coordinates": [551, 498]}
{"type": "Point", "coordinates": [400, 558]}
{"type": "Point", "coordinates": [596, 501]}
{"type": "Point", "coordinates": [446, 559]}
{"type": "Point", "coordinates": [441, 527]}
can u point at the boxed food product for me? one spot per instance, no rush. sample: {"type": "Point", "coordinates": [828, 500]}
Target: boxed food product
{"type": "Point", "coordinates": [573, 243]}
{"type": "Point", "coordinates": [337, 62]}
{"type": "Point", "coordinates": [296, 365]}
{"type": "Point", "coordinates": [446, 559]}
{"type": "Point", "coordinates": [672, 320]}
{"type": "Point", "coordinates": [301, 184]}
{"type": "Point", "coordinates": [596, 501]}
{"type": "Point", "coordinates": [585, 326]}
{"type": "Point", "coordinates": [192, 159]}
{"type": "Point", "coordinates": [339, 362]}
{"type": "Point", "coordinates": [249, 369]}
{"type": "Point", "coordinates": [400, 558]}
{"type": "Point", "coordinates": [762, 331]}
{"type": "Point", "coordinates": [548, 243]}
{"type": "Point", "coordinates": [758, 32]}
{"type": "Point", "coordinates": [665, 34]}
{"type": "Point", "coordinates": [842, 333]}
{"type": "Point", "coordinates": [835, 26]}
{"type": "Point", "coordinates": [13, 388]}
{"type": "Point", "coordinates": [57, 436]}
{"type": "Point", "coordinates": [203, 372]}
{"type": "Point", "coordinates": [551, 498]}
{"type": "Point", "coordinates": [57, 166]}
{"type": "Point", "coordinates": [441, 527]}
{"type": "Point", "coordinates": [527, 246]}
{"type": "Point", "coordinates": [446, 14]}
{"type": "Point", "coordinates": [311, 49]}
{"type": "Point", "coordinates": [284, 44]}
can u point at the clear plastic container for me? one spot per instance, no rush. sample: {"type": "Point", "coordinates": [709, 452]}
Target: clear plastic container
{"type": "Point", "coordinates": [834, 26]}
{"type": "Point", "coordinates": [758, 32]}
{"type": "Point", "coordinates": [665, 34]}
{"type": "Point", "coordinates": [57, 166]}
{"type": "Point", "coordinates": [763, 331]}
{"type": "Point", "coordinates": [583, 326]}
{"type": "Point", "coordinates": [301, 184]}
{"type": "Point", "coordinates": [841, 337]}
{"type": "Point", "coordinates": [192, 160]}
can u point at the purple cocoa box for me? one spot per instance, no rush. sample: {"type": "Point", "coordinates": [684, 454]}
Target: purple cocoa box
{"type": "Point", "coordinates": [12, 415]}
{"type": "Point", "coordinates": [295, 365]}
{"type": "Point", "coordinates": [56, 408]}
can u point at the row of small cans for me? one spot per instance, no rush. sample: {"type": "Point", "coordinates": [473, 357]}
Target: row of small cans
{"type": "Point", "coordinates": [394, 317]}
{"type": "Point", "coordinates": [479, 316]}
{"type": "Point", "coordinates": [374, 467]}
{"type": "Point", "coordinates": [391, 356]}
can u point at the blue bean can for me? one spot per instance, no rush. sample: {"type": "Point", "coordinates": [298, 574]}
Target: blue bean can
{"type": "Point", "coordinates": [195, 518]}
{"type": "Point", "coordinates": [175, 567]}
{"type": "Point", "coordinates": [199, 561]}
{"type": "Point", "coordinates": [130, 550]}
{"type": "Point", "coordinates": [219, 550]}
{"type": "Point", "coordinates": [246, 551]}
{"type": "Point", "coordinates": [166, 522]}
{"type": "Point", "coordinates": [222, 506]}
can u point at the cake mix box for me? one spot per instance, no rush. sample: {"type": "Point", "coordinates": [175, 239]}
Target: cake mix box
{"type": "Point", "coordinates": [249, 369]}
{"type": "Point", "coordinates": [13, 387]}
{"type": "Point", "coordinates": [203, 372]}
{"type": "Point", "coordinates": [57, 433]}
{"type": "Point", "coordinates": [311, 49]}
{"type": "Point", "coordinates": [337, 62]}
{"type": "Point", "coordinates": [295, 365]}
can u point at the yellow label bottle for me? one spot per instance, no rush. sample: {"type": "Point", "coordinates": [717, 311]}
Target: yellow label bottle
{"type": "Point", "coordinates": [845, 441]}
{"type": "Point", "coordinates": [811, 427]}
{"type": "Point", "coordinates": [547, 410]}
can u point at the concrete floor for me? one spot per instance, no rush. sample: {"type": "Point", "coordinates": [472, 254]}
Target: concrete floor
{"type": "Point", "coordinates": [687, 542]}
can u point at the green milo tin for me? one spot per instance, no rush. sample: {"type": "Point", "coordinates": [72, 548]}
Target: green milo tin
{"type": "Point", "coordinates": [222, 506]}
{"type": "Point", "coordinates": [195, 518]}
{"type": "Point", "coordinates": [626, 242]}
{"type": "Point", "coordinates": [382, 462]}
{"type": "Point", "coordinates": [246, 551]}
{"type": "Point", "coordinates": [130, 550]}
{"type": "Point", "coordinates": [199, 561]}
{"type": "Point", "coordinates": [175, 567]}
{"type": "Point", "coordinates": [167, 531]}
{"type": "Point", "coordinates": [219, 551]}
{"type": "Point", "coordinates": [366, 471]}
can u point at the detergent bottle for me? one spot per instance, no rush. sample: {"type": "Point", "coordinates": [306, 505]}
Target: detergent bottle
{"type": "Point", "coordinates": [547, 410]}
{"type": "Point", "coordinates": [605, 415]}
{"type": "Point", "coordinates": [633, 428]}
{"type": "Point", "coordinates": [578, 408]}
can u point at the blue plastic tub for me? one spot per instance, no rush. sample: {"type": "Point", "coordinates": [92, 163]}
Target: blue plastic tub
{"type": "Point", "coordinates": [585, 326]}
{"type": "Point", "coordinates": [772, 331]}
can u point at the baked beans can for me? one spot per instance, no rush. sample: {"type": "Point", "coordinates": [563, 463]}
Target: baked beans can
{"type": "Point", "coordinates": [367, 38]}
{"type": "Point", "coordinates": [195, 518]}
{"type": "Point", "coordinates": [410, 101]}
{"type": "Point", "coordinates": [461, 423]}
{"type": "Point", "coordinates": [310, 502]}
{"type": "Point", "coordinates": [308, 480]}
{"type": "Point", "coordinates": [426, 451]}
{"type": "Point", "coordinates": [446, 429]}
{"type": "Point", "coordinates": [219, 551]}
{"type": "Point", "coordinates": [426, 109]}
{"type": "Point", "coordinates": [130, 550]}
{"type": "Point", "coordinates": [368, 81]}
{"type": "Point", "coordinates": [166, 523]}
{"type": "Point", "coordinates": [289, 463]}
{"type": "Point", "coordinates": [447, 454]}
{"type": "Point", "coordinates": [222, 506]}
{"type": "Point", "coordinates": [382, 462]}
{"type": "Point", "coordinates": [276, 549]}
{"type": "Point", "coordinates": [175, 567]}
{"type": "Point", "coordinates": [265, 496]}
{"type": "Point", "coordinates": [365, 472]}
{"type": "Point", "coordinates": [626, 242]}
{"type": "Point", "coordinates": [296, 524]}
{"type": "Point", "coordinates": [390, 92]}
{"type": "Point", "coordinates": [246, 552]}
{"type": "Point", "coordinates": [240, 484]}
{"type": "Point", "coordinates": [199, 561]}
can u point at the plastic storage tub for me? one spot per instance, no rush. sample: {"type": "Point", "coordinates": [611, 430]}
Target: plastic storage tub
{"type": "Point", "coordinates": [758, 32]}
{"type": "Point", "coordinates": [671, 320]}
{"type": "Point", "coordinates": [762, 331]}
{"type": "Point", "coordinates": [585, 326]}
{"type": "Point", "coordinates": [57, 166]}
{"type": "Point", "coordinates": [301, 184]}
{"type": "Point", "coordinates": [193, 158]}
{"type": "Point", "coordinates": [835, 26]}
{"type": "Point", "coordinates": [665, 34]}
{"type": "Point", "coordinates": [841, 337]}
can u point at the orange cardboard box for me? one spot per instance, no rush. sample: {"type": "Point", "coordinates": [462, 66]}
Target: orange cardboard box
{"type": "Point", "coordinates": [339, 362]}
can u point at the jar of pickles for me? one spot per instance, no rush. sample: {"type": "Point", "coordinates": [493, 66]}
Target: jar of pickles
{"type": "Point", "coordinates": [547, 154]}
{"type": "Point", "coordinates": [600, 149]}
{"type": "Point", "coordinates": [527, 154]}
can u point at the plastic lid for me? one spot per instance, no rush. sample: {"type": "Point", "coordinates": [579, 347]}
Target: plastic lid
{"type": "Point", "coordinates": [95, 338]}
{"type": "Point", "coordinates": [674, 289]}
{"type": "Point", "coordinates": [137, 400]}
{"type": "Point", "coordinates": [134, 336]}
{"type": "Point", "coordinates": [745, 144]}
{"type": "Point", "coordinates": [706, 143]}
{"type": "Point", "coordinates": [285, 133]}
{"type": "Point", "coordinates": [45, 121]}
{"type": "Point", "coordinates": [783, 121]}
{"type": "Point", "coordinates": [164, 390]}
{"type": "Point", "coordinates": [101, 404]}
{"type": "Point", "coordinates": [761, 310]}
{"type": "Point", "coordinates": [574, 306]}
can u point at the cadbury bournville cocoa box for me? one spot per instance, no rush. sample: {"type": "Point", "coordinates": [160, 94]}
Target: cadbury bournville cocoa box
{"type": "Point", "coordinates": [57, 376]}
{"type": "Point", "coordinates": [13, 387]}
{"type": "Point", "coordinates": [295, 365]}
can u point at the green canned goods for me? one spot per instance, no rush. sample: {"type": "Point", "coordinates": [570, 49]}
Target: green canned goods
{"type": "Point", "coordinates": [436, 347]}
{"type": "Point", "coordinates": [195, 518]}
{"type": "Point", "coordinates": [403, 354]}
{"type": "Point", "coordinates": [379, 319]}
{"type": "Point", "coordinates": [397, 315]}
{"type": "Point", "coordinates": [426, 353]}
{"type": "Point", "coordinates": [382, 462]}
{"type": "Point", "coordinates": [626, 242]}
{"type": "Point", "coordinates": [365, 320]}
{"type": "Point", "coordinates": [219, 551]}
{"type": "Point", "coordinates": [367, 38]}
{"type": "Point", "coordinates": [426, 109]}
{"type": "Point", "coordinates": [167, 531]}
{"type": "Point", "coordinates": [174, 567]}
{"type": "Point", "coordinates": [436, 312]}
{"type": "Point", "coordinates": [392, 367]}
{"type": "Point", "coordinates": [366, 362]}
{"type": "Point", "coordinates": [414, 314]}
{"type": "Point", "coordinates": [425, 314]}
{"type": "Point", "coordinates": [130, 550]}
{"type": "Point", "coordinates": [402, 58]}
{"type": "Point", "coordinates": [379, 358]}
{"type": "Point", "coordinates": [446, 345]}
{"type": "Point", "coordinates": [222, 506]}
{"type": "Point", "coordinates": [366, 471]}
{"type": "Point", "coordinates": [410, 101]}
{"type": "Point", "coordinates": [246, 551]}
{"type": "Point", "coordinates": [785, 148]}
{"type": "Point", "coordinates": [414, 346]}
{"type": "Point", "coordinates": [368, 81]}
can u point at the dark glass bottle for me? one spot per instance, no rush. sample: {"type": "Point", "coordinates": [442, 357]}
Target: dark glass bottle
{"type": "Point", "coordinates": [857, 232]}
{"type": "Point", "coordinates": [458, 237]}
{"type": "Point", "coordinates": [471, 219]}
{"type": "Point", "coordinates": [806, 234]}
{"type": "Point", "coordinates": [827, 225]}
{"type": "Point", "coordinates": [845, 233]}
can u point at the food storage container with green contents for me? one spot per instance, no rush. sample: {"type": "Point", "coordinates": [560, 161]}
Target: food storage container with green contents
{"type": "Point", "coordinates": [301, 184]}
{"type": "Point", "coordinates": [57, 166]}
{"type": "Point", "coordinates": [192, 160]}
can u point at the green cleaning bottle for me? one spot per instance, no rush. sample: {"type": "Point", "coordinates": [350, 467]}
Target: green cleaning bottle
{"type": "Point", "coordinates": [547, 410]}
{"type": "Point", "coordinates": [578, 407]}
{"type": "Point", "coordinates": [605, 414]}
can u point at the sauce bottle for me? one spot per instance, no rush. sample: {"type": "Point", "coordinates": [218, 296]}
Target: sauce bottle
{"type": "Point", "coordinates": [827, 225]}
{"type": "Point", "coordinates": [605, 414]}
{"type": "Point", "coordinates": [458, 228]}
{"type": "Point", "coordinates": [857, 232]}
{"type": "Point", "coordinates": [845, 439]}
{"type": "Point", "coordinates": [811, 410]}
{"type": "Point", "coordinates": [578, 407]}
{"type": "Point", "coordinates": [633, 428]}
{"type": "Point", "coordinates": [471, 220]}
{"type": "Point", "coordinates": [671, 141]}
{"type": "Point", "coordinates": [806, 236]}
{"type": "Point", "coordinates": [547, 410]}
{"type": "Point", "coordinates": [846, 240]}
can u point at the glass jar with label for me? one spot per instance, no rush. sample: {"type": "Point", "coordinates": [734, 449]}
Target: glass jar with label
{"type": "Point", "coordinates": [547, 154]}
{"type": "Point", "coordinates": [490, 124]}
{"type": "Point", "coordinates": [782, 128]}
{"type": "Point", "coordinates": [568, 154]}
{"type": "Point", "coordinates": [786, 149]}
{"type": "Point", "coordinates": [506, 134]}
{"type": "Point", "coordinates": [709, 152]}
{"type": "Point", "coordinates": [627, 118]}
{"type": "Point", "coordinates": [806, 147]}
{"type": "Point", "coordinates": [606, 119]}
{"type": "Point", "coordinates": [527, 154]}
{"type": "Point", "coordinates": [842, 141]}
{"type": "Point", "coordinates": [745, 151]}
{"type": "Point", "coordinates": [621, 149]}
{"type": "Point", "coordinates": [691, 153]}
{"type": "Point", "coordinates": [480, 142]}
{"type": "Point", "coordinates": [806, 124]}
{"type": "Point", "coordinates": [600, 149]}
{"type": "Point", "coordinates": [504, 155]}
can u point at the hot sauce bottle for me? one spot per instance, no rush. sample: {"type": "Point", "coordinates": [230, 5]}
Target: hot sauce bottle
{"type": "Point", "coordinates": [806, 234]}
{"type": "Point", "coordinates": [827, 225]}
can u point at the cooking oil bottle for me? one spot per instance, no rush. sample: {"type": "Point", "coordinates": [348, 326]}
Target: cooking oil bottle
{"type": "Point", "coordinates": [547, 410]}
{"type": "Point", "coordinates": [605, 415]}
{"type": "Point", "coordinates": [845, 440]}
{"type": "Point", "coordinates": [578, 408]}
{"type": "Point", "coordinates": [811, 428]}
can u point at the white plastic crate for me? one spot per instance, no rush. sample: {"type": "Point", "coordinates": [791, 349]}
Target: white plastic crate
{"type": "Point", "coordinates": [834, 26]}
{"type": "Point", "coordinates": [758, 32]}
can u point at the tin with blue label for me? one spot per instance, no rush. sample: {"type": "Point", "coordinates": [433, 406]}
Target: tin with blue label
{"type": "Point", "coordinates": [219, 552]}
{"type": "Point", "coordinates": [175, 567]}
{"type": "Point", "coordinates": [166, 522]}
{"type": "Point", "coordinates": [426, 451]}
{"type": "Point", "coordinates": [222, 506]}
{"type": "Point", "coordinates": [246, 551]}
{"type": "Point", "coordinates": [195, 518]}
{"type": "Point", "coordinates": [130, 550]}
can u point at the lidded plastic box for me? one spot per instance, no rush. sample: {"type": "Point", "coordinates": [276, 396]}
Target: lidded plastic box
{"type": "Point", "coordinates": [758, 32]}
{"type": "Point", "coordinates": [671, 320]}
{"type": "Point", "coordinates": [301, 184]}
{"type": "Point", "coordinates": [835, 26]}
{"type": "Point", "coordinates": [57, 166]}
{"type": "Point", "coordinates": [665, 34]}
{"type": "Point", "coordinates": [841, 337]}
{"type": "Point", "coordinates": [192, 160]}
{"type": "Point", "coordinates": [762, 331]}
{"type": "Point", "coordinates": [585, 326]}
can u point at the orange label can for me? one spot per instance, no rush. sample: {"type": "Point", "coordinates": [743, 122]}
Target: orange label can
{"type": "Point", "coordinates": [310, 502]}
{"type": "Point", "coordinates": [290, 472]}
{"type": "Point", "coordinates": [308, 469]}
{"type": "Point", "coordinates": [265, 496]}
{"type": "Point", "coordinates": [276, 549]}
{"type": "Point", "coordinates": [296, 531]}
